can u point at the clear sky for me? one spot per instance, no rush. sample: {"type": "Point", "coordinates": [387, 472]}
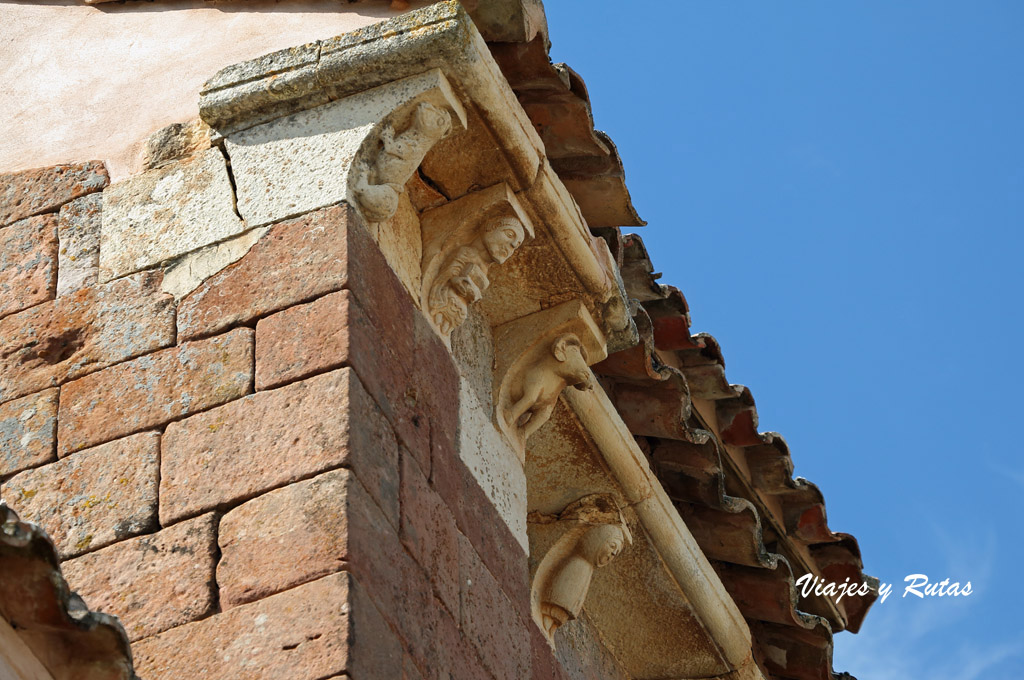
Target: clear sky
{"type": "Point", "coordinates": [838, 189]}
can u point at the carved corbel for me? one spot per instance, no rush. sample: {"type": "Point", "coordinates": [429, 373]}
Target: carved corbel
{"type": "Point", "coordinates": [538, 356]}
{"type": "Point", "coordinates": [396, 146]}
{"type": "Point", "coordinates": [593, 533]}
{"type": "Point", "coordinates": [462, 240]}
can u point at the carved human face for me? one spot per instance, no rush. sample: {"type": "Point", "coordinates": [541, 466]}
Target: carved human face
{"type": "Point", "coordinates": [602, 544]}
{"type": "Point", "coordinates": [503, 237]}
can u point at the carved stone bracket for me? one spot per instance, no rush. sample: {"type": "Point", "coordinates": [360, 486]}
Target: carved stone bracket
{"type": "Point", "coordinates": [594, 532]}
{"type": "Point", "coordinates": [462, 240]}
{"type": "Point", "coordinates": [536, 357]}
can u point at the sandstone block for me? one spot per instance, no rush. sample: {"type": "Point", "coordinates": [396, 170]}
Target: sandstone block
{"type": "Point", "coordinates": [428, 532]}
{"type": "Point", "coordinates": [155, 389]}
{"type": "Point", "coordinates": [28, 263]}
{"type": "Point", "coordinates": [237, 451]}
{"type": "Point", "coordinates": [152, 582]}
{"type": "Point", "coordinates": [28, 429]}
{"type": "Point", "coordinates": [317, 630]}
{"type": "Point", "coordinates": [93, 498]}
{"type": "Point", "coordinates": [296, 262]}
{"type": "Point", "coordinates": [492, 623]}
{"type": "Point", "coordinates": [164, 213]}
{"type": "Point", "coordinates": [31, 192]}
{"type": "Point", "coordinates": [296, 534]}
{"type": "Point", "coordinates": [78, 231]}
{"type": "Point", "coordinates": [306, 339]}
{"type": "Point", "coordinates": [74, 335]}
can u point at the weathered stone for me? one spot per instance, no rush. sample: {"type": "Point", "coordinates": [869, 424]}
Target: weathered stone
{"type": "Point", "coordinates": [296, 534]}
{"type": "Point", "coordinates": [165, 213]}
{"type": "Point", "coordinates": [478, 519]}
{"type": "Point", "coordinates": [188, 273]}
{"type": "Point", "coordinates": [490, 620]}
{"type": "Point", "coordinates": [78, 231]}
{"type": "Point", "coordinates": [28, 430]}
{"type": "Point", "coordinates": [428, 532]}
{"type": "Point", "coordinates": [296, 262]}
{"type": "Point", "coordinates": [303, 162]}
{"type": "Point", "coordinates": [93, 498]}
{"type": "Point", "coordinates": [153, 582]}
{"type": "Point", "coordinates": [493, 462]}
{"type": "Point", "coordinates": [28, 264]}
{"type": "Point", "coordinates": [30, 192]}
{"type": "Point", "coordinates": [155, 389]}
{"type": "Point", "coordinates": [316, 630]}
{"type": "Point", "coordinates": [176, 141]}
{"type": "Point", "coordinates": [90, 329]}
{"type": "Point", "coordinates": [276, 437]}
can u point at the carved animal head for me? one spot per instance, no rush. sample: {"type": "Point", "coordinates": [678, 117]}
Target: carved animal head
{"type": "Point", "coordinates": [568, 350]}
{"type": "Point", "coordinates": [502, 238]}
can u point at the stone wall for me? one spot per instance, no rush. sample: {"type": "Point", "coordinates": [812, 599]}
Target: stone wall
{"type": "Point", "coordinates": [258, 472]}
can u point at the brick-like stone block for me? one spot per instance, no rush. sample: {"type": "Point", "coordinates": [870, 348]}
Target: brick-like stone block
{"type": "Point", "coordinates": [93, 498]}
{"type": "Point", "coordinates": [480, 522]}
{"type": "Point", "coordinates": [28, 263]}
{"type": "Point", "coordinates": [152, 390]}
{"type": "Point", "coordinates": [317, 630]}
{"type": "Point", "coordinates": [31, 192]}
{"type": "Point", "coordinates": [90, 329]}
{"type": "Point", "coordinates": [428, 532]}
{"type": "Point", "coordinates": [307, 339]}
{"type": "Point", "coordinates": [490, 620]}
{"type": "Point", "coordinates": [273, 438]}
{"type": "Point", "coordinates": [164, 213]}
{"type": "Point", "coordinates": [297, 534]}
{"type": "Point", "coordinates": [78, 232]}
{"type": "Point", "coordinates": [152, 582]}
{"type": "Point", "coordinates": [28, 430]}
{"type": "Point", "coordinates": [296, 262]}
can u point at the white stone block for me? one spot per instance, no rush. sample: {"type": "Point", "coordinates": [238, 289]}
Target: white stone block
{"type": "Point", "coordinates": [165, 213]}
{"type": "Point", "coordinates": [493, 462]}
{"type": "Point", "coordinates": [302, 162]}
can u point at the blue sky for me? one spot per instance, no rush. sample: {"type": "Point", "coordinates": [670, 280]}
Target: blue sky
{"type": "Point", "coordinates": [838, 189]}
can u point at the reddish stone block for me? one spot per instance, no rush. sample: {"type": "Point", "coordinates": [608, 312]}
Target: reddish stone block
{"type": "Point", "coordinates": [237, 451]}
{"type": "Point", "coordinates": [153, 390]}
{"type": "Point", "coordinates": [31, 192]}
{"type": "Point", "coordinates": [317, 630]}
{"type": "Point", "coordinates": [428, 532]}
{"type": "Point", "coordinates": [297, 261]}
{"type": "Point", "coordinates": [28, 264]}
{"type": "Point", "coordinates": [90, 329]}
{"type": "Point", "coordinates": [437, 379]}
{"type": "Point", "coordinates": [478, 519]}
{"type": "Point", "coordinates": [28, 432]}
{"type": "Point", "coordinates": [544, 664]}
{"type": "Point", "coordinates": [307, 339]}
{"type": "Point", "coordinates": [296, 534]}
{"type": "Point", "coordinates": [492, 623]}
{"type": "Point", "coordinates": [153, 582]}
{"type": "Point", "coordinates": [93, 498]}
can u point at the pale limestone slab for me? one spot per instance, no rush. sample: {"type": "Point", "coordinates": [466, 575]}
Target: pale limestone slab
{"type": "Point", "coordinates": [302, 162]}
{"type": "Point", "coordinates": [188, 273]}
{"type": "Point", "coordinates": [493, 462]}
{"type": "Point", "coordinates": [165, 213]}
